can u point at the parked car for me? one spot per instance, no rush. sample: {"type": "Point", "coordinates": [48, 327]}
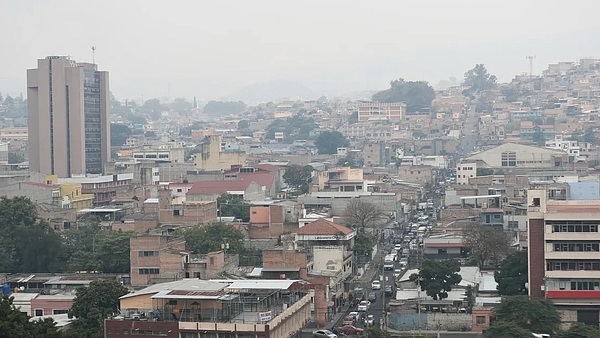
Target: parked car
{"type": "Point", "coordinates": [349, 320]}
{"type": "Point", "coordinates": [324, 334]}
{"type": "Point", "coordinates": [364, 306]}
{"type": "Point", "coordinates": [372, 297]}
{"type": "Point", "coordinates": [376, 285]}
{"type": "Point", "coordinates": [389, 290]}
{"type": "Point", "coordinates": [370, 320]}
{"type": "Point", "coordinates": [351, 329]}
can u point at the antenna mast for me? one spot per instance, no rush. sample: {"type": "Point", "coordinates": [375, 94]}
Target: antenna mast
{"type": "Point", "coordinates": [530, 58]}
{"type": "Point", "coordinates": [93, 54]}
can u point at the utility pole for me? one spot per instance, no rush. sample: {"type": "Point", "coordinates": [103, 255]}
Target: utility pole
{"type": "Point", "coordinates": [94, 55]}
{"type": "Point", "coordinates": [383, 317]}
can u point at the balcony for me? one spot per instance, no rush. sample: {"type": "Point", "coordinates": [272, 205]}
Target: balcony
{"type": "Point", "coordinates": [573, 274]}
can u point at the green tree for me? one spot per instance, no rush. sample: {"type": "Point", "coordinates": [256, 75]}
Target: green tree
{"type": "Point", "coordinates": [112, 252]}
{"type": "Point", "coordinates": [15, 324]}
{"type": "Point", "coordinates": [577, 135]}
{"type": "Point", "coordinates": [233, 206]}
{"type": "Point", "coordinates": [538, 137]}
{"type": "Point", "coordinates": [224, 108]}
{"type": "Point", "coordinates": [153, 108]}
{"type": "Point", "coordinates": [119, 134]}
{"type": "Point", "coordinates": [501, 329]}
{"type": "Point", "coordinates": [376, 332]}
{"type": "Point", "coordinates": [93, 304]}
{"type": "Point", "coordinates": [488, 245]}
{"type": "Point", "coordinates": [360, 214]}
{"type": "Point", "coordinates": [580, 330]}
{"type": "Point", "coordinates": [416, 94]}
{"type": "Point", "coordinates": [363, 244]}
{"type": "Point", "coordinates": [470, 297]}
{"type": "Point", "coordinates": [590, 136]}
{"type": "Point", "coordinates": [208, 238]}
{"type": "Point", "coordinates": [150, 134]}
{"type": "Point", "coordinates": [478, 80]}
{"type": "Point", "coordinates": [438, 277]}
{"type": "Point", "coordinates": [243, 124]}
{"type": "Point", "coordinates": [28, 244]}
{"type": "Point", "coordinates": [329, 141]}
{"type": "Point", "coordinates": [535, 315]}
{"type": "Point", "coordinates": [297, 127]}
{"type": "Point", "coordinates": [419, 134]}
{"type": "Point", "coordinates": [298, 178]}
{"type": "Point", "coordinates": [512, 275]}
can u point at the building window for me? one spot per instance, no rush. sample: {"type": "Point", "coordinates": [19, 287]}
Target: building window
{"type": "Point", "coordinates": [226, 335]}
{"type": "Point", "coordinates": [513, 224]}
{"type": "Point", "coordinates": [208, 335]}
{"type": "Point", "coordinates": [177, 212]}
{"type": "Point", "coordinates": [480, 320]}
{"type": "Point", "coordinates": [574, 226]}
{"type": "Point", "coordinates": [442, 251]}
{"type": "Point", "coordinates": [58, 312]}
{"type": "Point", "coordinates": [149, 271]}
{"type": "Point", "coordinates": [179, 190]}
{"type": "Point", "coordinates": [189, 334]}
{"type": "Point", "coordinates": [509, 159]}
{"type": "Point", "coordinates": [148, 253]}
{"type": "Point", "coordinates": [39, 312]}
{"type": "Point", "coordinates": [576, 246]}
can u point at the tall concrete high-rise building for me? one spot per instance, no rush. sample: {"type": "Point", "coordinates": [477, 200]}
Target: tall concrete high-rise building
{"type": "Point", "coordinates": [68, 113]}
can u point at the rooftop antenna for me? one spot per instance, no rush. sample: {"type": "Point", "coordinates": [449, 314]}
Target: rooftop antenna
{"type": "Point", "coordinates": [530, 58]}
{"type": "Point", "coordinates": [94, 55]}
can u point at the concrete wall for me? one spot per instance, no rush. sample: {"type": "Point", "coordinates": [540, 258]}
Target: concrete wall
{"type": "Point", "coordinates": [430, 321]}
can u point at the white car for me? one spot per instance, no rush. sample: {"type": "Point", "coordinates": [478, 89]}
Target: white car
{"type": "Point", "coordinates": [376, 285]}
{"type": "Point", "coordinates": [398, 247]}
{"type": "Point", "coordinates": [324, 334]}
{"type": "Point", "coordinates": [364, 306]}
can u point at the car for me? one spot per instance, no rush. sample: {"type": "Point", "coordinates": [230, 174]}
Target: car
{"type": "Point", "coordinates": [398, 246]}
{"type": "Point", "coordinates": [389, 290]}
{"type": "Point", "coordinates": [364, 306]}
{"type": "Point", "coordinates": [324, 334]}
{"type": "Point", "coordinates": [370, 320]}
{"type": "Point", "coordinates": [349, 320]}
{"type": "Point", "coordinates": [372, 297]}
{"type": "Point", "coordinates": [376, 285]}
{"type": "Point", "coordinates": [397, 273]}
{"type": "Point", "coordinates": [351, 329]}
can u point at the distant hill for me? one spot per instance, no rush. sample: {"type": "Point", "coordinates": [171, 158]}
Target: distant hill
{"type": "Point", "coordinates": [273, 91]}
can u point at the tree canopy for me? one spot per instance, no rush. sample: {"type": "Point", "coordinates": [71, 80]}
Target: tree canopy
{"type": "Point", "coordinates": [513, 275]}
{"type": "Point", "coordinates": [535, 315]}
{"type": "Point", "coordinates": [93, 304]}
{"type": "Point", "coordinates": [487, 244]}
{"type": "Point", "coordinates": [233, 206]}
{"type": "Point", "coordinates": [298, 178]}
{"type": "Point", "coordinates": [478, 80]}
{"type": "Point", "coordinates": [329, 141]}
{"type": "Point", "coordinates": [15, 324]}
{"type": "Point", "coordinates": [28, 244]}
{"type": "Point", "coordinates": [224, 108]}
{"type": "Point", "coordinates": [438, 277]}
{"type": "Point", "coordinates": [580, 330]}
{"type": "Point", "coordinates": [360, 214]}
{"type": "Point", "coordinates": [501, 329]}
{"type": "Point", "coordinates": [208, 238]}
{"type": "Point", "coordinates": [297, 127]}
{"type": "Point", "coordinates": [119, 134]}
{"type": "Point", "coordinates": [415, 94]}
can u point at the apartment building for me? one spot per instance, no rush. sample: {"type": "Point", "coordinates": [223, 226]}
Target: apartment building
{"type": "Point", "coordinates": [213, 155]}
{"type": "Point", "coordinates": [68, 117]}
{"type": "Point", "coordinates": [193, 308]}
{"type": "Point", "coordinates": [375, 111]}
{"type": "Point", "coordinates": [564, 255]}
{"type": "Point", "coordinates": [156, 258]}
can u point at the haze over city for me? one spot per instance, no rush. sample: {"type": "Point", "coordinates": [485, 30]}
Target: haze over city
{"type": "Point", "coordinates": [210, 50]}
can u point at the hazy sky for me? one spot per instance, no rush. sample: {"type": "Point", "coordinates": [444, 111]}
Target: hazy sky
{"type": "Point", "coordinates": [211, 48]}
